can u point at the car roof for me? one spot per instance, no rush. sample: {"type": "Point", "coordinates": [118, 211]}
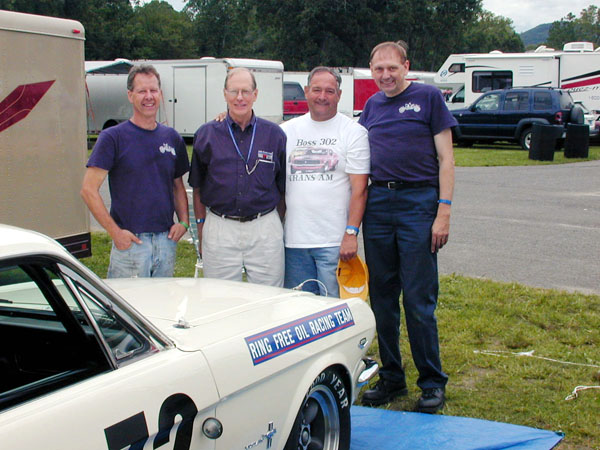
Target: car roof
{"type": "Point", "coordinates": [18, 242]}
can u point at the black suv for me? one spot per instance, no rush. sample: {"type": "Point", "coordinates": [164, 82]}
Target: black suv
{"type": "Point", "coordinates": [508, 114]}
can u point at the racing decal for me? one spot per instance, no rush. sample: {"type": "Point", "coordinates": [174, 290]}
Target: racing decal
{"type": "Point", "coordinates": [19, 103]}
{"type": "Point", "coordinates": [132, 433]}
{"type": "Point", "coordinates": [271, 343]}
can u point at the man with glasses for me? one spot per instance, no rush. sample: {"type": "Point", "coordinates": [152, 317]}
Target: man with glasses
{"type": "Point", "coordinates": [326, 190]}
{"type": "Point", "coordinates": [238, 176]}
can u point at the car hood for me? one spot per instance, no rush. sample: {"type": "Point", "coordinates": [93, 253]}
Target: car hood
{"type": "Point", "coordinates": [198, 312]}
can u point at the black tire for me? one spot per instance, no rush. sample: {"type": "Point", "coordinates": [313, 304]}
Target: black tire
{"type": "Point", "coordinates": [465, 144]}
{"type": "Point", "coordinates": [324, 417]}
{"type": "Point", "coordinates": [110, 123]}
{"type": "Point", "coordinates": [576, 116]}
{"type": "Point", "coordinates": [525, 139]}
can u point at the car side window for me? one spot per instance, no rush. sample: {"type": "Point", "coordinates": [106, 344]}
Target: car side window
{"type": "Point", "coordinates": [293, 91]}
{"type": "Point", "coordinates": [489, 102]}
{"type": "Point", "coordinates": [49, 343]}
{"type": "Point", "coordinates": [122, 342]}
{"type": "Point", "coordinates": [542, 101]}
{"type": "Point", "coordinates": [516, 101]}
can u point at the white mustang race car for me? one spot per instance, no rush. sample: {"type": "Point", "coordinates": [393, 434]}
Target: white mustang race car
{"type": "Point", "coordinates": [181, 364]}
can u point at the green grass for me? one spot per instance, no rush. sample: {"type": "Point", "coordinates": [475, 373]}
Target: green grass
{"type": "Point", "coordinates": [487, 155]}
{"type": "Point", "coordinates": [482, 155]}
{"type": "Point", "coordinates": [476, 315]}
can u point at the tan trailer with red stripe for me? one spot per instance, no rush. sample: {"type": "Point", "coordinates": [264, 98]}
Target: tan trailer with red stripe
{"type": "Point", "coordinates": [43, 140]}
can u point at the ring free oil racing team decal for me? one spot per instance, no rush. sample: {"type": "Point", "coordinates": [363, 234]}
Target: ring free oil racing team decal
{"type": "Point", "coordinates": [271, 343]}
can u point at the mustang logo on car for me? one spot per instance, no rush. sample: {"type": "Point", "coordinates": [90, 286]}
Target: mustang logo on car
{"type": "Point", "coordinates": [277, 341]}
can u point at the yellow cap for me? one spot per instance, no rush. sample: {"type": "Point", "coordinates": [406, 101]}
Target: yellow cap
{"type": "Point", "coordinates": [353, 278]}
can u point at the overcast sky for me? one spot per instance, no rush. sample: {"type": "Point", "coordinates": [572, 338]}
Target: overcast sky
{"type": "Point", "coordinates": [525, 14]}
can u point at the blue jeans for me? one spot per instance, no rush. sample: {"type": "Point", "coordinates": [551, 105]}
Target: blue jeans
{"type": "Point", "coordinates": [397, 235]}
{"type": "Point", "coordinates": [154, 257]}
{"type": "Point", "coordinates": [302, 264]}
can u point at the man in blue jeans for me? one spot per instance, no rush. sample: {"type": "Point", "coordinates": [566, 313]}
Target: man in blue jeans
{"type": "Point", "coordinates": [327, 172]}
{"type": "Point", "coordinates": [407, 221]}
{"type": "Point", "coordinates": [144, 161]}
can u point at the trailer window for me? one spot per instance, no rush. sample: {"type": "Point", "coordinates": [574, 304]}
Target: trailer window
{"type": "Point", "coordinates": [457, 68]}
{"type": "Point", "coordinates": [484, 81]}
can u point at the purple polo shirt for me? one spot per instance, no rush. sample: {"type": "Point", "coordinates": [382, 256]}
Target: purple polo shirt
{"type": "Point", "coordinates": [141, 165]}
{"type": "Point", "coordinates": [401, 131]}
{"type": "Point", "coordinates": [221, 174]}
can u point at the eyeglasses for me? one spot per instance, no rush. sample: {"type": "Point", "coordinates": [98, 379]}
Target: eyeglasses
{"type": "Point", "coordinates": [235, 92]}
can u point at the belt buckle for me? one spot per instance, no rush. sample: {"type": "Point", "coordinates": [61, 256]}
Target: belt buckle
{"type": "Point", "coordinates": [392, 185]}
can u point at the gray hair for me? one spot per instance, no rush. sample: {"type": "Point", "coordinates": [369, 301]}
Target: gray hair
{"type": "Point", "coordinates": [240, 69]}
{"type": "Point", "coordinates": [319, 69]}
{"type": "Point", "coordinates": [146, 69]}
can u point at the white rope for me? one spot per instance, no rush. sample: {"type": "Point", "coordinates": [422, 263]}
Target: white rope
{"type": "Point", "coordinates": [299, 287]}
{"type": "Point", "coordinates": [530, 353]}
{"type": "Point", "coordinates": [505, 353]}
{"type": "Point", "coordinates": [573, 394]}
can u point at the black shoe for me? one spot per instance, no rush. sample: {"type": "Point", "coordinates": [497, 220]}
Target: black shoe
{"type": "Point", "coordinates": [383, 392]}
{"type": "Point", "coordinates": [431, 401]}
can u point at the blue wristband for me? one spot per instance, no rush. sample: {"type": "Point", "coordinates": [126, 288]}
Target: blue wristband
{"type": "Point", "coordinates": [199, 221]}
{"type": "Point", "coordinates": [444, 201]}
{"type": "Point", "coordinates": [355, 229]}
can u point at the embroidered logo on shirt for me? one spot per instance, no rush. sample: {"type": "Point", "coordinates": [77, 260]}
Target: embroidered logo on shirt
{"type": "Point", "coordinates": [409, 107]}
{"type": "Point", "coordinates": [166, 148]}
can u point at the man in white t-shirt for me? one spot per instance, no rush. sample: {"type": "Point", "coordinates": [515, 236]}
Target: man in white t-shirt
{"type": "Point", "coordinates": [328, 164]}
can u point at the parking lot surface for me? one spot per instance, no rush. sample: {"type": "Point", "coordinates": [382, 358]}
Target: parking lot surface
{"type": "Point", "coordinates": [536, 225]}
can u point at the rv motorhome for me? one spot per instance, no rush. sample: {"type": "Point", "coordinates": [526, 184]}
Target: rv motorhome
{"type": "Point", "coordinates": [574, 69]}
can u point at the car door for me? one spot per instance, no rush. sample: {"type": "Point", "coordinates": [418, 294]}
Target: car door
{"type": "Point", "coordinates": [80, 373]}
{"type": "Point", "coordinates": [515, 107]}
{"type": "Point", "coordinates": [481, 119]}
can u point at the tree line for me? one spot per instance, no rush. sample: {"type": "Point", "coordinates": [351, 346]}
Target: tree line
{"type": "Point", "coordinates": [301, 33]}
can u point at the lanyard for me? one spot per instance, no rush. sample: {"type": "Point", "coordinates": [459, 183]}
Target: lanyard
{"type": "Point", "coordinates": [248, 171]}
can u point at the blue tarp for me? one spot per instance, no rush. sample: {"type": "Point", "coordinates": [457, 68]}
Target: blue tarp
{"type": "Point", "coordinates": [380, 429]}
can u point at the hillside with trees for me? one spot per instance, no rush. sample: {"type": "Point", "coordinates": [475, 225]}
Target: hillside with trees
{"type": "Point", "coordinates": [301, 33]}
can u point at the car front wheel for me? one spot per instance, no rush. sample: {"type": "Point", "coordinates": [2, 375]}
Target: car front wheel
{"type": "Point", "coordinates": [323, 421]}
{"type": "Point", "coordinates": [525, 139]}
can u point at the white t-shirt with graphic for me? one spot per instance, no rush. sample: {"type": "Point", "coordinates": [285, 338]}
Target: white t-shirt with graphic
{"type": "Point", "coordinates": [319, 157]}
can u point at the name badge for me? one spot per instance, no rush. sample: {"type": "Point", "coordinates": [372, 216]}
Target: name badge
{"type": "Point", "coordinates": [265, 156]}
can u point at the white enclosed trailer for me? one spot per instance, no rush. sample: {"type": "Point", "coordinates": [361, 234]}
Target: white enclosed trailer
{"type": "Point", "coordinates": [42, 127]}
{"type": "Point", "coordinates": [192, 92]}
{"type": "Point", "coordinates": [576, 69]}
{"type": "Point", "coordinates": [357, 86]}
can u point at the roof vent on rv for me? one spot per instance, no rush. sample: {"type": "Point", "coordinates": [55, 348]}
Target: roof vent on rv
{"type": "Point", "coordinates": [578, 47]}
{"type": "Point", "coordinates": [543, 49]}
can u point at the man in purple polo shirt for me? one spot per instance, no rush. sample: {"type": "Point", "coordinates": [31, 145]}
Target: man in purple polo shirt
{"type": "Point", "coordinates": [144, 162]}
{"type": "Point", "coordinates": [238, 176]}
{"type": "Point", "coordinates": [407, 221]}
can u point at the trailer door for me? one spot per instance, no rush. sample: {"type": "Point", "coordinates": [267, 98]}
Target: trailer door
{"type": "Point", "coordinates": [189, 97]}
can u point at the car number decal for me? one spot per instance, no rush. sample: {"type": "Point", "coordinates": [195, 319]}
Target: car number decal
{"type": "Point", "coordinates": [133, 431]}
{"type": "Point", "coordinates": [271, 343]}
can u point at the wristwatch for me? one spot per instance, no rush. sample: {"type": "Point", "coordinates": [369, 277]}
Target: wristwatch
{"type": "Point", "coordinates": [352, 231]}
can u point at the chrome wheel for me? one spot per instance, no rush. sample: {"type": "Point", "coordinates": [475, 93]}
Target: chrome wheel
{"type": "Point", "coordinates": [323, 422]}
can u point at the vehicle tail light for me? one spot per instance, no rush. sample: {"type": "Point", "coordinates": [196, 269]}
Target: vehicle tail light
{"type": "Point", "coordinates": [558, 117]}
